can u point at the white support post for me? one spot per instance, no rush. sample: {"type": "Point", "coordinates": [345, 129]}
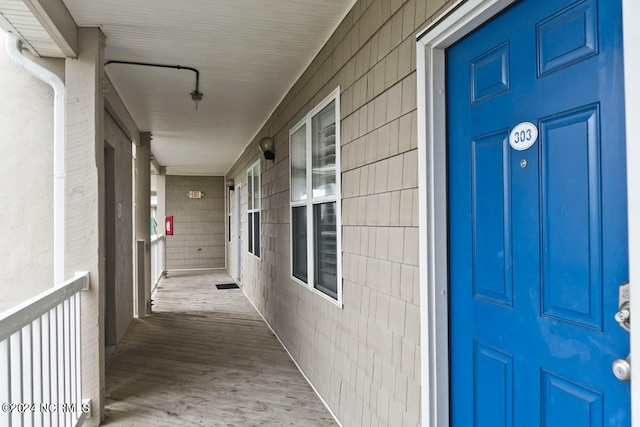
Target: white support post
{"type": "Point", "coordinates": [140, 282]}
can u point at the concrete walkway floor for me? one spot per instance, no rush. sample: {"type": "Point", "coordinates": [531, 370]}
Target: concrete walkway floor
{"type": "Point", "coordinates": [205, 357]}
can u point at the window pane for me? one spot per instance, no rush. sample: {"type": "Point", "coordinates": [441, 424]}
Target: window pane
{"type": "Point", "coordinates": [323, 147]}
{"type": "Point", "coordinates": [250, 232]}
{"type": "Point", "coordinates": [256, 234]}
{"type": "Point", "coordinates": [326, 259]}
{"type": "Point", "coordinates": [299, 241]}
{"type": "Point", "coordinates": [299, 164]}
{"type": "Point", "coordinates": [256, 187]}
{"type": "Point", "coordinates": [250, 191]}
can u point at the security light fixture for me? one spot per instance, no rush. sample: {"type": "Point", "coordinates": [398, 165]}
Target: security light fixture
{"type": "Point", "coordinates": [266, 146]}
{"type": "Point", "coordinates": [231, 184]}
{"type": "Point", "coordinates": [196, 95]}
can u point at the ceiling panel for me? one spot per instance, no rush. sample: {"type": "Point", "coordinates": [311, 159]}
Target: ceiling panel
{"type": "Point", "coordinates": [16, 17]}
{"type": "Point", "coordinates": [249, 53]}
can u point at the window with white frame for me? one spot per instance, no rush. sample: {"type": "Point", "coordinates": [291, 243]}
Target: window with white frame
{"type": "Point", "coordinates": [253, 208]}
{"type": "Point", "coordinates": [229, 214]}
{"type": "Point", "coordinates": [315, 199]}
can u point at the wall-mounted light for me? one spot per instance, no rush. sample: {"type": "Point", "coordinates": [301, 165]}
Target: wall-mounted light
{"type": "Point", "coordinates": [266, 146]}
{"type": "Point", "coordinates": [231, 184]}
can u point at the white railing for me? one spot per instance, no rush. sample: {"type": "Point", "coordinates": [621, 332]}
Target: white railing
{"type": "Point", "coordinates": [40, 359]}
{"type": "Point", "coordinates": [157, 260]}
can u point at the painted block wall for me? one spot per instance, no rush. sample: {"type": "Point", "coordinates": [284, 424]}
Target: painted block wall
{"type": "Point", "coordinates": [26, 180]}
{"type": "Point", "coordinates": [199, 237]}
{"type": "Point", "coordinates": [115, 137]}
{"type": "Point", "coordinates": [85, 204]}
{"type": "Point", "coordinates": [363, 358]}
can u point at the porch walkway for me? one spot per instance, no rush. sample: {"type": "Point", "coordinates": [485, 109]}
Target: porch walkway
{"type": "Point", "coordinates": [206, 358]}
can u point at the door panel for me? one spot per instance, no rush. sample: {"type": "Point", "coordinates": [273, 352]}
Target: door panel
{"type": "Point", "coordinates": [538, 238]}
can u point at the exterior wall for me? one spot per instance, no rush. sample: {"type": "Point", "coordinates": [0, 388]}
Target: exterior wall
{"type": "Point", "coordinates": [364, 358]}
{"type": "Point", "coordinates": [199, 237]}
{"type": "Point", "coordinates": [26, 180]}
{"type": "Point", "coordinates": [124, 226]}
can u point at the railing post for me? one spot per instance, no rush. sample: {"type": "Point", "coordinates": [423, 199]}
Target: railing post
{"type": "Point", "coordinates": [140, 282]}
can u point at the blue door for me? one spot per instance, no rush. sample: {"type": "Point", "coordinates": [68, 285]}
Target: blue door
{"type": "Point", "coordinates": [538, 237]}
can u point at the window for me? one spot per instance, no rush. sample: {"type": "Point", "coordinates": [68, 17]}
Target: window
{"type": "Point", "coordinates": [253, 208]}
{"type": "Point", "coordinates": [229, 214]}
{"type": "Point", "coordinates": [315, 195]}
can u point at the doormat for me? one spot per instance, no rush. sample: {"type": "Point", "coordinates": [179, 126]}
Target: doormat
{"type": "Point", "coordinates": [227, 286]}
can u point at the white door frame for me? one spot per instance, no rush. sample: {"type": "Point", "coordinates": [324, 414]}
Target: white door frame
{"type": "Point", "coordinates": [631, 35]}
{"type": "Point", "coordinates": [458, 21]}
{"type": "Point", "coordinates": [238, 233]}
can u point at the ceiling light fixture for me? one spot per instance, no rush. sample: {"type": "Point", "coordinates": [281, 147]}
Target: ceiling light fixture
{"type": "Point", "coordinates": [196, 95]}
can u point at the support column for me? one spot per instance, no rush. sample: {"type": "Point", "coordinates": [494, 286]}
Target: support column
{"type": "Point", "coordinates": [161, 212]}
{"type": "Point", "coordinates": [143, 209]}
{"type": "Point", "coordinates": [161, 192]}
{"type": "Point", "coordinates": [85, 197]}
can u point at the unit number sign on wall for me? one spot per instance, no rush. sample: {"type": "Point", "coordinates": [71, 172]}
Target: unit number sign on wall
{"type": "Point", "coordinates": [523, 136]}
{"type": "Point", "coordinates": [195, 194]}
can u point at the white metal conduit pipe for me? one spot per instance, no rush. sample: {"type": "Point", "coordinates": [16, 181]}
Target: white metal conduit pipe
{"type": "Point", "coordinates": [14, 49]}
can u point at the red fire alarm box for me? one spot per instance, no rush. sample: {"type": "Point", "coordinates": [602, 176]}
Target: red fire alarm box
{"type": "Point", "coordinates": [168, 226]}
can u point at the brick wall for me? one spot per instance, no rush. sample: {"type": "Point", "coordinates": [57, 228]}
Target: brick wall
{"type": "Point", "coordinates": [363, 358]}
{"type": "Point", "coordinates": [199, 236]}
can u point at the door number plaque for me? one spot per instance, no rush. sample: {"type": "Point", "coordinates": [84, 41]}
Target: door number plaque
{"type": "Point", "coordinates": [523, 136]}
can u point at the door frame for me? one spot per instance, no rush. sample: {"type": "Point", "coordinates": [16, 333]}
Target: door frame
{"type": "Point", "coordinates": [454, 23]}
{"type": "Point", "coordinates": [238, 234]}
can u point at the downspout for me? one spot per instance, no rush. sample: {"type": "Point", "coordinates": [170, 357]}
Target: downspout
{"type": "Point", "coordinates": [14, 49]}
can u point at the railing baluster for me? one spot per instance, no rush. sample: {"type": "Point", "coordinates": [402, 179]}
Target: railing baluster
{"type": "Point", "coordinates": [53, 355]}
{"type": "Point", "coordinates": [72, 352]}
{"type": "Point", "coordinates": [78, 352]}
{"type": "Point", "coordinates": [37, 370]}
{"type": "Point", "coordinates": [27, 375]}
{"type": "Point", "coordinates": [5, 386]}
{"type": "Point", "coordinates": [46, 366]}
{"type": "Point", "coordinates": [16, 376]}
{"type": "Point", "coordinates": [67, 360]}
{"type": "Point", "coordinates": [60, 351]}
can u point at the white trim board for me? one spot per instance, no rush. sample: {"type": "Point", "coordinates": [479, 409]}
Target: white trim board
{"type": "Point", "coordinates": [238, 231]}
{"type": "Point", "coordinates": [458, 21]}
{"type": "Point", "coordinates": [631, 36]}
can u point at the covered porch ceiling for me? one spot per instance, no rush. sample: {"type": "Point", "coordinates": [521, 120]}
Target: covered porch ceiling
{"type": "Point", "coordinates": [249, 54]}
